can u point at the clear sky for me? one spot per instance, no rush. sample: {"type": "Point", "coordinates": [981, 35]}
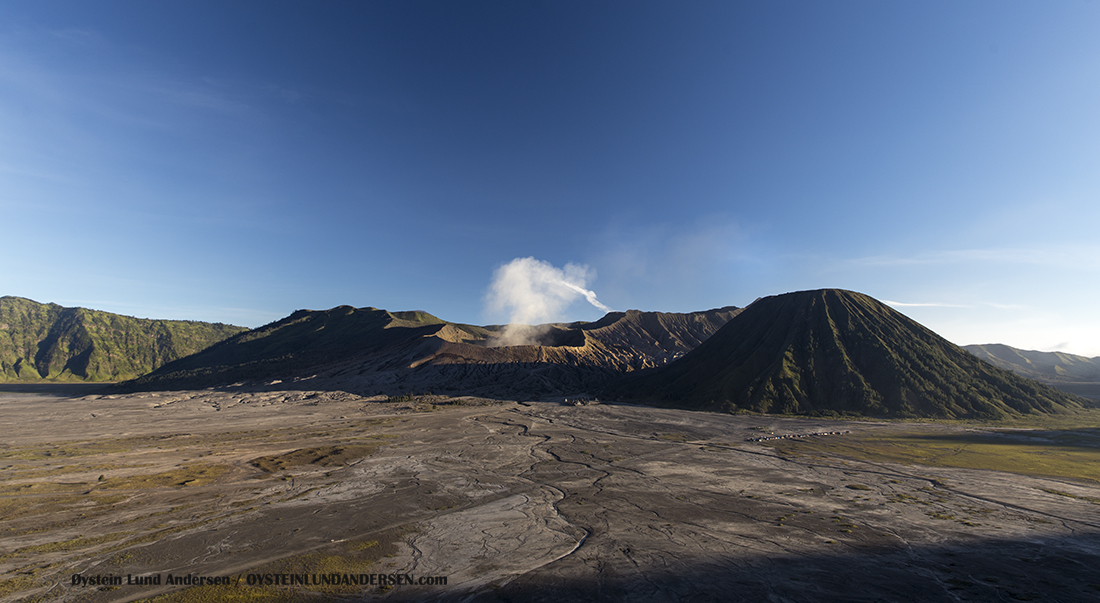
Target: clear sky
{"type": "Point", "coordinates": [236, 161]}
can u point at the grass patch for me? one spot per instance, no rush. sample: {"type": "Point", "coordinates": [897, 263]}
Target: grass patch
{"type": "Point", "coordinates": [352, 557]}
{"type": "Point", "coordinates": [16, 584]}
{"type": "Point", "coordinates": [177, 442]}
{"type": "Point", "coordinates": [68, 450]}
{"type": "Point", "coordinates": [1071, 454]}
{"type": "Point", "coordinates": [1078, 419]}
{"type": "Point", "coordinates": [42, 488]}
{"type": "Point", "coordinates": [1091, 499]}
{"type": "Point", "coordinates": [63, 470]}
{"type": "Point", "coordinates": [325, 456]}
{"type": "Point", "coordinates": [236, 593]}
{"type": "Point", "coordinates": [192, 475]}
{"type": "Point", "coordinates": [65, 545]}
{"type": "Point", "coordinates": [14, 508]}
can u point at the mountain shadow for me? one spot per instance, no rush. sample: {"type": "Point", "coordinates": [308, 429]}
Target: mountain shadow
{"type": "Point", "coordinates": [832, 351]}
{"type": "Point", "coordinates": [983, 569]}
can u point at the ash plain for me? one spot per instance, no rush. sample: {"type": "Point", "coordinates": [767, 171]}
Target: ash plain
{"type": "Point", "coordinates": [512, 501]}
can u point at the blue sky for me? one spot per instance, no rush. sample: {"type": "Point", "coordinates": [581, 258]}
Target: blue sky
{"type": "Point", "coordinates": [237, 161]}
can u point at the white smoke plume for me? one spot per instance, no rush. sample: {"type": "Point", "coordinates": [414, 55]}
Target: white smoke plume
{"type": "Point", "coordinates": [532, 292]}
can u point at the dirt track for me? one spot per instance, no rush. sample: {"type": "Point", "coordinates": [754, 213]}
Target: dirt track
{"type": "Point", "coordinates": [510, 501]}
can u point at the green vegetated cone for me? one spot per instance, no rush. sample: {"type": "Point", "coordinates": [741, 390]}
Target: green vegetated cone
{"type": "Point", "coordinates": [832, 351]}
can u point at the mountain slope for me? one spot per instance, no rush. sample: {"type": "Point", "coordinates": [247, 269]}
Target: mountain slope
{"type": "Point", "coordinates": [372, 350]}
{"type": "Point", "coordinates": [1078, 375]}
{"type": "Point", "coordinates": [48, 342]}
{"type": "Point", "coordinates": [1044, 366]}
{"type": "Point", "coordinates": [829, 351]}
{"type": "Point", "coordinates": [298, 345]}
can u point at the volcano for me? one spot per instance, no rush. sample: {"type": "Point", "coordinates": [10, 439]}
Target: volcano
{"type": "Point", "coordinates": [374, 351]}
{"type": "Point", "coordinates": [832, 351]}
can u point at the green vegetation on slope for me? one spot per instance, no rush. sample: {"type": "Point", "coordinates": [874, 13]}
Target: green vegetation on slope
{"type": "Point", "coordinates": [829, 351]}
{"type": "Point", "coordinates": [48, 342]}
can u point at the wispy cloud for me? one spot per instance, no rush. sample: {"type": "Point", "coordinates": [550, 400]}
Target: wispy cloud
{"type": "Point", "coordinates": [125, 93]}
{"type": "Point", "coordinates": [996, 305]}
{"type": "Point", "coordinates": [1075, 256]}
{"type": "Point", "coordinates": [668, 263]}
{"type": "Point", "coordinates": [1004, 306]}
{"type": "Point", "coordinates": [924, 304]}
{"type": "Point", "coordinates": [287, 95]}
{"type": "Point", "coordinates": [87, 38]}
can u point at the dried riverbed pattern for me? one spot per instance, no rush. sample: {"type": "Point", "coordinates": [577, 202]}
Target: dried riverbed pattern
{"type": "Point", "coordinates": [527, 501]}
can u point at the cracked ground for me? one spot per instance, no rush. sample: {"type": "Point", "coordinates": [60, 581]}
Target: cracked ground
{"type": "Point", "coordinates": [522, 501]}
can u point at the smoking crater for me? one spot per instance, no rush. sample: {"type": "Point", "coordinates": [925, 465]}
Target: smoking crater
{"type": "Point", "coordinates": [533, 292]}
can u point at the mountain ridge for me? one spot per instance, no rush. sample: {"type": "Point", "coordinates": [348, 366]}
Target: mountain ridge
{"type": "Point", "coordinates": [829, 351]}
{"type": "Point", "coordinates": [49, 342]}
{"type": "Point", "coordinates": [372, 349]}
{"type": "Point", "coordinates": [1071, 373]}
{"type": "Point", "coordinates": [1054, 366]}
{"type": "Point", "coordinates": [811, 352]}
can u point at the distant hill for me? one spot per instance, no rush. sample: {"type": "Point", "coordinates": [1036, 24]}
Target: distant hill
{"type": "Point", "coordinates": [376, 351]}
{"type": "Point", "coordinates": [1045, 366]}
{"type": "Point", "coordinates": [830, 351]}
{"type": "Point", "coordinates": [40, 342]}
{"type": "Point", "coordinates": [1068, 372]}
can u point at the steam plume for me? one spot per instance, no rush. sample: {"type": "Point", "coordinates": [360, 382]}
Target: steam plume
{"type": "Point", "coordinates": [589, 295]}
{"type": "Point", "coordinates": [532, 292]}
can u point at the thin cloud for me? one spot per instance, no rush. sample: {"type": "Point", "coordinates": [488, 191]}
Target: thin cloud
{"type": "Point", "coordinates": [1077, 256]}
{"type": "Point", "coordinates": [288, 96]}
{"type": "Point", "coordinates": [137, 98]}
{"type": "Point", "coordinates": [1004, 306]}
{"type": "Point", "coordinates": [950, 305]}
{"type": "Point", "coordinates": [81, 37]}
{"type": "Point", "coordinates": [923, 304]}
{"type": "Point", "coordinates": [667, 263]}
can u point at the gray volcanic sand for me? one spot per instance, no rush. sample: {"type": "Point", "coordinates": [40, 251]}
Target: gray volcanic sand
{"type": "Point", "coordinates": [510, 501]}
